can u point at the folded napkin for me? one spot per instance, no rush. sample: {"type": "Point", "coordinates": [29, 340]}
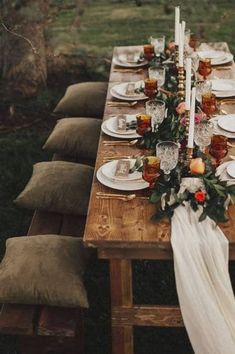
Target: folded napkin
{"type": "Point", "coordinates": [203, 284]}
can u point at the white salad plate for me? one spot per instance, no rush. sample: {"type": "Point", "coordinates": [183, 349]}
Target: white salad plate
{"type": "Point", "coordinates": [119, 91]}
{"type": "Point", "coordinates": [231, 169]}
{"type": "Point", "coordinates": [111, 125]}
{"type": "Point", "coordinates": [123, 60]}
{"type": "Point", "coordinates": [223, 85]}
{"type": "Point", "coordinates": [218, 57]}
{"type": "Point", "coordinates": [109, 170]}
{"type": "Point", "coordinates": [218, 130]}
{"type": "Point", "coordinates": [105, 130]}
{"type": "Point", "coordinates": [121, 185]}
{"type": "Point", "coordinates": [227, 123]}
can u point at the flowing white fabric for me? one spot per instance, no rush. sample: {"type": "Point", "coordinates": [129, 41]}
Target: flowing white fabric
{"type": "Point", "coordinates": [203, 284]}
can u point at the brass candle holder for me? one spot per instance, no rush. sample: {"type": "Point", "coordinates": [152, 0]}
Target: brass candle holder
{"type": "Point", "coordinates": [177, 55]}
{"type": "Point", "coordinates": [189, 155]}
{"type": "Point", "coordinates": [181, 83]}
{"type": "Point", "coordinates": [187, 118]}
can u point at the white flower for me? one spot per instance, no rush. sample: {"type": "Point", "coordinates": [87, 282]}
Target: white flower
{"type": "Point", "coordinates": [191, 184]}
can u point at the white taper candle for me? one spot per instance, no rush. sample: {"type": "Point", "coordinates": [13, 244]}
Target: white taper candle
{"type": "Point", "coordinates": [181, 47]}
{"type": "Point", "coordinates": [192, 119]}
{"type": "Point", "coordinates": [177, 21]}
{"type": "Point", "coordinates": [188, 83]}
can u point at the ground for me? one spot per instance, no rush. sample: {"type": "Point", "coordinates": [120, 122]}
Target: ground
{"type": "Point", "coordinates": [80, 49]}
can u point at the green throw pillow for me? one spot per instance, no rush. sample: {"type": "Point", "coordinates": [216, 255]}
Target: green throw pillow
{"type": "Point", "coordinates": [43, 269]}
{"type": "Point", "coordinates": [58, 186]}
{"type": "Point", "coordinates": [75, 137]}
{"type": "Point", "coordinates": [86, 99]}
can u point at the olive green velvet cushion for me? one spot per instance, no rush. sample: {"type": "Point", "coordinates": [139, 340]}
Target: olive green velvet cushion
{"type": "Point", "coordinates": [86, 99]}
{"type": "Point", "coordinates": [75, 137]}
{"type": "Point", "coordinates": [58, 186]}
{"type": "Point", "coordinates": [43, 269]}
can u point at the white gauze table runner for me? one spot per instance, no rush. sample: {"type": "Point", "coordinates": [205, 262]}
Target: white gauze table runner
{"type": "Point", "coordinates": [203, 284]}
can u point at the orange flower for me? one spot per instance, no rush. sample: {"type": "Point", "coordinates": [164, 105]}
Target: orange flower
{"type": "Point", "coordinates": [197, 166]}
{"type": "Point", "coordinates": [200, 196]}
{"type": "Point", "coordinates": [180, 109]}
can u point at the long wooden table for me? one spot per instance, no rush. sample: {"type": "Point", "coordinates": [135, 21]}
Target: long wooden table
{"type": "Point", "coordinates": [122, 231]}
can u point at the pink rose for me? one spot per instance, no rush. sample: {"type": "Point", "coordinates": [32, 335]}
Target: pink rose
{"type": "Point", "coordinates": [180, 109]}
{"type": "Point", "coordinates": [199, 117]}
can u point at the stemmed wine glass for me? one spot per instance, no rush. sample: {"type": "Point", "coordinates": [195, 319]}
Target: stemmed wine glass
{"type": "Point", "coordinates": [159, 74]}
{"type": "Point", "coordinates": [156, 109]}
{"type": "Point", "coordinates": [151, 170]}
{"type": "Point", "coordinates": [203, 87]}
{"type": "Point", "coordinates": [159, 44]}
{"type": "Point", "coordinates": [168, 152]}
{"type": "Point", "coordinates": [203, 134]}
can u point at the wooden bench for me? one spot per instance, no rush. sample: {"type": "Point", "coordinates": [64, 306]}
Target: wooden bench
{"type": "Point", "coordinates": [44, 329]}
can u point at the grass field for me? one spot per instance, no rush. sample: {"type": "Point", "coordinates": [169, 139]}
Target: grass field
{"type": "Point", "coordinates": [104, 24]}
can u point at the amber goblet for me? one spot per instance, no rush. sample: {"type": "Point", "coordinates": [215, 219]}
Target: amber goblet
{"type": "Point", "coordinates": [209, 104]}
{"type": "Point", "coordinates": [149, 51]}
{"type": "Point", "coordinates": [205, 67]}
{"type": "Point", "coordinates": [150, 87]}
{"type": "Point", "coordinates": [143, 123]}
{"type": "Point", "coordinates": [219, 148]}
{"type": "Point", "coordinates": [151, 170]}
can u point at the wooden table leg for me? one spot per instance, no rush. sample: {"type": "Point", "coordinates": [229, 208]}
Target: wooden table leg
{"type": "Point", "coordinates": [121, 296]}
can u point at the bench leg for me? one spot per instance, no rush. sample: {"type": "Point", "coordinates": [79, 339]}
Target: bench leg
{"type": "Point", "coordinates": [49, 345]}
{"type": "Point", "coordinates": [121, 296]}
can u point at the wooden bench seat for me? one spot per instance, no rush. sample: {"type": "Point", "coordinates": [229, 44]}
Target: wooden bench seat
{"type": "Point", "coordinates": [44, 329]}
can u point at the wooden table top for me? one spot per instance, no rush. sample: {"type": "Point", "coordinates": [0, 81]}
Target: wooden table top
{"type": "Point", "coordinates": [119, 224]}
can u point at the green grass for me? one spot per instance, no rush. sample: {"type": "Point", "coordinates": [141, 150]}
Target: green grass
{"type": "Point", "coordinates": [104, 24]}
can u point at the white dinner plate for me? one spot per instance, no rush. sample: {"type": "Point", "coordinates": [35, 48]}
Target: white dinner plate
{"type": "Point", "coordinates": [231, 169]}
{"type": "Point", "coordinates": [227, 123]}
{"type": "Point", "coordinates": [223, 85]}
{"type": "Point", "coordinates": [118, 135]}
{"type": "Point", "coordinates": [122, 60]}
{"type": "Point", "coordinates": [224, 94]}
{"type": "Point", "coordinates": [111, 125]}
{"type": "Point", "coordinates": [121, 185]}
{"type": "Point", "coordinates": [109, 170]}
{"type": "Point", "coordinates": [217, 57]}
{"type": "Point", "coordinates": [218, 130]}
{"type": "Point", "coordinates": [119, 91]}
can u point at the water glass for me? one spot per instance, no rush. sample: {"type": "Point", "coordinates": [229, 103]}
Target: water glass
{"type": "Point", "coordinates": [150, 87]}
{"type": "Point", "coordinates": [159, 74]}
{"type": "Point", "coordinates": [148, 51]}
{"type": "Point", "coordinates": [203, 134]}
{"type": "Point", "coordinates": [205, 67]}
{"type": "Point", "coordinates": [202, 88]}
{"type": "Point", "coordinates": [156, 109]}
{"type": "Point", "coordinates": [143, 123]}
{"type": "Point", "coordinates": [151, 170]}
{"type": "Point", "coordinates": [168, 152]}
{"type": "Point", "coordinates": [219, 147]}
{"type": "Point", "coordinates": [158, 43]}
{"type": "Point", "coordinates": [209, 104]}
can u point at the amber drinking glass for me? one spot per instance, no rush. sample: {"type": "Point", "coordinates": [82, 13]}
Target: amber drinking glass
{"type": "Point", "coordinates": [143, 123]}
{"type": "Point", "coordinates": [151, 170]}
{"type": "Point", "coordinates": [149, 51]}
{"type": "Point", "coordinates": [205, 68]}
{"type": "Point", "coordinates": [150, 87]}
{"type": "Point", "coordinates": [219, 148]}
{"type": "Point", "coordinates": [209, 104]}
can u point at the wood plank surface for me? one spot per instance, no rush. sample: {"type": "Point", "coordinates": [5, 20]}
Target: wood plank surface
{"type": "Point", "coordinates": [119, 224]}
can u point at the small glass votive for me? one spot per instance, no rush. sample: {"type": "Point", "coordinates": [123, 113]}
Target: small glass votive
{"type": "Point", "coordinates": [151, 170]}
{"type": "Point", "coordinates": [143, 123]}
{"type": "Point", "coordinates": [149, 51]}
{"type": "Point", "coordinates": [209, 104]}
{"type": "Point", "coordinates": [205, 67]}
{"type": "Point", "coordinates": [150, 87]}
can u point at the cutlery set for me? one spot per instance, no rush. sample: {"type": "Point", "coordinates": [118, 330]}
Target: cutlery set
{"type": "Point", "coordinates": [124, 197]}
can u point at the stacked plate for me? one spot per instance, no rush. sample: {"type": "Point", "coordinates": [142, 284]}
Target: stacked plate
{"type": "Point", "coordinates": [225, 125]}
{"type": "Point", "coordinates": [223, 88]}
{"type": "Point", "coordinates": [218, 57]}
{"type": "Point", "coordinates": [120, 91]}
{"type": "Point", "coordinates": [134, 181]}
{"type": "Point", "coordinates": [226, 172]}
{"type": "Point", "coordinates": [110, 127]}
{"type": "Point", "coordinates": [130, 60]}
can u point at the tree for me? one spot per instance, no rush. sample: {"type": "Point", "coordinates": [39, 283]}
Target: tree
{"type": "Point", "coordinates": [23, 54]}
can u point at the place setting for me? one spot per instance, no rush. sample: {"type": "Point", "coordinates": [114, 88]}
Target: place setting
{"type": "Point", "coordinates": [129, 91]}
{"type": "Point", "coordinates": [130, 59]}
{"type": "Point", "coordinates": [217, 57]}
{"type": "Point", "coordinates": [223, 88]}
{"type": "Point", "coordinates": [121, 126]}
